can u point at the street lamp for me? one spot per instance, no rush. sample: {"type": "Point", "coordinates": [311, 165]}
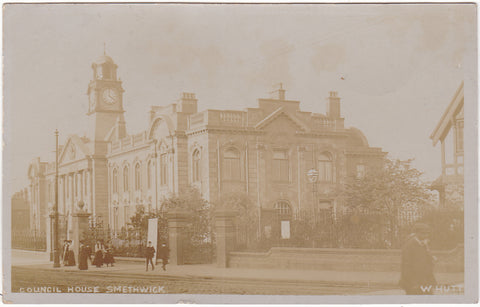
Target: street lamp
{"type": "Point", "coordinates": [56, 255]}
{"type": "Point", "coordinates": [155, 163]}
{"type": "Point", "coordinates": [312, 176]}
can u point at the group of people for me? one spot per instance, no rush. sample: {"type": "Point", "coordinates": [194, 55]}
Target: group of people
{"type": "Point", "coordinates": [163, 252]}
{"type": "Point", "coordinates": [103, 255]}
{"type": "Point", "coordinates": [416, 267]}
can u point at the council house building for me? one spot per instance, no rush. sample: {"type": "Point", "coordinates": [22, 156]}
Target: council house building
{"type": "Point", "coordinates": [265, 152]}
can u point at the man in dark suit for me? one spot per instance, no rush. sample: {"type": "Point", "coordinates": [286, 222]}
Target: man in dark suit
{"type": "Point", "coordinates": [417, 276]}
{"type": "Point", "coordinates": [149, 253]}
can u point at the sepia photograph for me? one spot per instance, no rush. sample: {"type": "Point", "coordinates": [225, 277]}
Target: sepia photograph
{"type": "Point", "coordinates": [240, 153]}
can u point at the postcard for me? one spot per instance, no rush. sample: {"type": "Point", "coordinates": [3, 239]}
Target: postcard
{"type": "Point", "coordinates": [240, 153]}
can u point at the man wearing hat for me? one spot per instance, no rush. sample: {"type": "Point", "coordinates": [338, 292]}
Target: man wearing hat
{"type": "Point", "coordinates": [149, 253]}
{"type": "Point", "coordinates": [417, 263]}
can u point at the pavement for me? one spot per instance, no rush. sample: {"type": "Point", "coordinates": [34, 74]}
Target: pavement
{"type": "Point", "coordinates": [127, 266]}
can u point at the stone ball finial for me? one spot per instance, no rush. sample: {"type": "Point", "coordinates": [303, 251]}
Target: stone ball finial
{"type": "Point", "coordinates": [80, 205]}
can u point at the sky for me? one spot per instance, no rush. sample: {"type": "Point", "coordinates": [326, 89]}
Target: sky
{"type": "Point", "coordinates": [395, 67]}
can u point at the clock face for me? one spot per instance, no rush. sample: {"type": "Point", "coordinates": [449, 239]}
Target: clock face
{"type": "Point", "coordinates": [110, 96]}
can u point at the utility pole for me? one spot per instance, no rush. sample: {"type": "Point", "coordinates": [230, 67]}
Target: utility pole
{"type": "Point", "coordinates": [155, 159]}
{"type": "Point", "coordinates": [56, 255]}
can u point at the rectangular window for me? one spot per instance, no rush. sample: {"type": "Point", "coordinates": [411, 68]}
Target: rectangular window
{"type": "Point", "coordinates": [280, 166]}
{"type": "Point", "coordinates": [325, 172]}
{"type": "Point", "coordinates": [360, 171]}
{"type": "Point", "coordinates": [231, 165]}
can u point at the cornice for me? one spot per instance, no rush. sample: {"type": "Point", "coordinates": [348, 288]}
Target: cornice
{"type": "Point", "coordinates": [128, 150]}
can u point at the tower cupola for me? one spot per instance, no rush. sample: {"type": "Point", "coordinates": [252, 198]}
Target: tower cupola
{"type": "Point", "coordinates": [104, 68]}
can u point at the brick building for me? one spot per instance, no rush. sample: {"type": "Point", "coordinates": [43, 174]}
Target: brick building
{"type": "Point", "coordinates": [264, 152]}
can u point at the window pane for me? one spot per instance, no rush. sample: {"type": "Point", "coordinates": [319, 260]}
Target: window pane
{"type": "Point", "coordinates": [125, 179]}
{"type": "Point", "coordinates": [282, 208]}
{"type": "Point", "coordinates": [149, 175]}
{"type": "Point", "coordinates": [360, 171]}
{"type": "Point", "coordinates": [115, 181]}
{"type": "Point", "coordinates": [163, 169]}
{"type": "Point", "coordinates": [328, 171]}
{"type": "Point", "coordinates": [280, 167]}
{"type": "Point", "coordinates": [196, 166]}
{"type": "Point", "coordinates": [231, 164]}
{"type": "Point", "coordinates": [325, 171]}
{"type": "Point", "coordinates": [137, 177]}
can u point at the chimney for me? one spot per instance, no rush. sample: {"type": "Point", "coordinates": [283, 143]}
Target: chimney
{"type": "Point", "coordinates": [278, 94]}
{"type": "Point", "coordinates": [188, 103]}
{"type": "Point", "coordinates": [333, 106]}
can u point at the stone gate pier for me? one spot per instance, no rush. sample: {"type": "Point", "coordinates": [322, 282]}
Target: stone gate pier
{"type": "Point", "coordinates": [177, 222]}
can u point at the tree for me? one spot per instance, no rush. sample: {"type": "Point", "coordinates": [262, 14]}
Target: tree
{"type": "Point", "coordinates": [199, 247]}
{"type": "Point", "coordinates": [247, 216]}
{"type": "Point", "coordinates": [137, 236]}
{"type": "Point", "coordinates": [386, 191]}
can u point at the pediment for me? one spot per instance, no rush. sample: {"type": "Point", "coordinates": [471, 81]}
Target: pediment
{"type": "Point", "coordinates": [73, 150]}
{"type": "Point", "coordinates": [281, 121]}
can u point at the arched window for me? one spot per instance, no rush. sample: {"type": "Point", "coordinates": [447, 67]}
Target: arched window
{"type": "Point", "coordinates": [231, 164]}
{"type": "Point", "coordinates": [196, 166]}
{"type": "Point", "coordinates": [325, 167]}
{"type": "Point", "coordinates": [125, 179]}
{"type": "Point", "coordinates": [138, 177]}
{"type": "Point", "coordinates": [282, 208]}
{"type": "Point", "coordinates": [149, 175]}
{"type": "Point", "coordinates": [280, 167]}
{"type": "Point", "coordinates": [163, 169]}
{"type": "Point", "coordinates": [115, 180]}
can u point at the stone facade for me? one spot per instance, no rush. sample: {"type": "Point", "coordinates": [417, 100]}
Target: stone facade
{"type": "Point", "coordinates": [264, 152]}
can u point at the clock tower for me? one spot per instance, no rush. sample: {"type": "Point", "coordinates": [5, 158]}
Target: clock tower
{"type": "Point", "coordinates": [105, 96]}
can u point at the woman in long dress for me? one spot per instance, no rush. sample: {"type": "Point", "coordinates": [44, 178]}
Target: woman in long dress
{"type": "Point", "coordinates": [83, 257]}
{"type": "Point", "coordinates": [98, 260]}
{"type": "Point", "coordinates": [108, 258]}
{"type": "Point", "coordinates": [63, 255]}
{"type": "Point", "coordinates": [70, 254]}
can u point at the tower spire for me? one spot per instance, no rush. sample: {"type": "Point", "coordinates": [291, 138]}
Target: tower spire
{"type": "Point", "coordinates": [104, 48]}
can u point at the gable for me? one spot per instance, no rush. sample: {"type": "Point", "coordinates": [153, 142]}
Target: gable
{"type": "Point", "coordinates": [162, 126]}
{"type": "Point", "coordinates": [283, 122]}
{"type": "Point", "coordinates": [454, 108]}
{"type": "Point", "coordinates": [74, 149]}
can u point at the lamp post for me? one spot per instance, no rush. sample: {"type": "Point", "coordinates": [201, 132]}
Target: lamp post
{"type": "Point", "coordinates": [52, 217]}
{"type": "Point", "coordinates": [56, 256]}
{"type": "Point", "coordinates": [155, 163]}
{"type": "Point", "coordinates": [312, 176]}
